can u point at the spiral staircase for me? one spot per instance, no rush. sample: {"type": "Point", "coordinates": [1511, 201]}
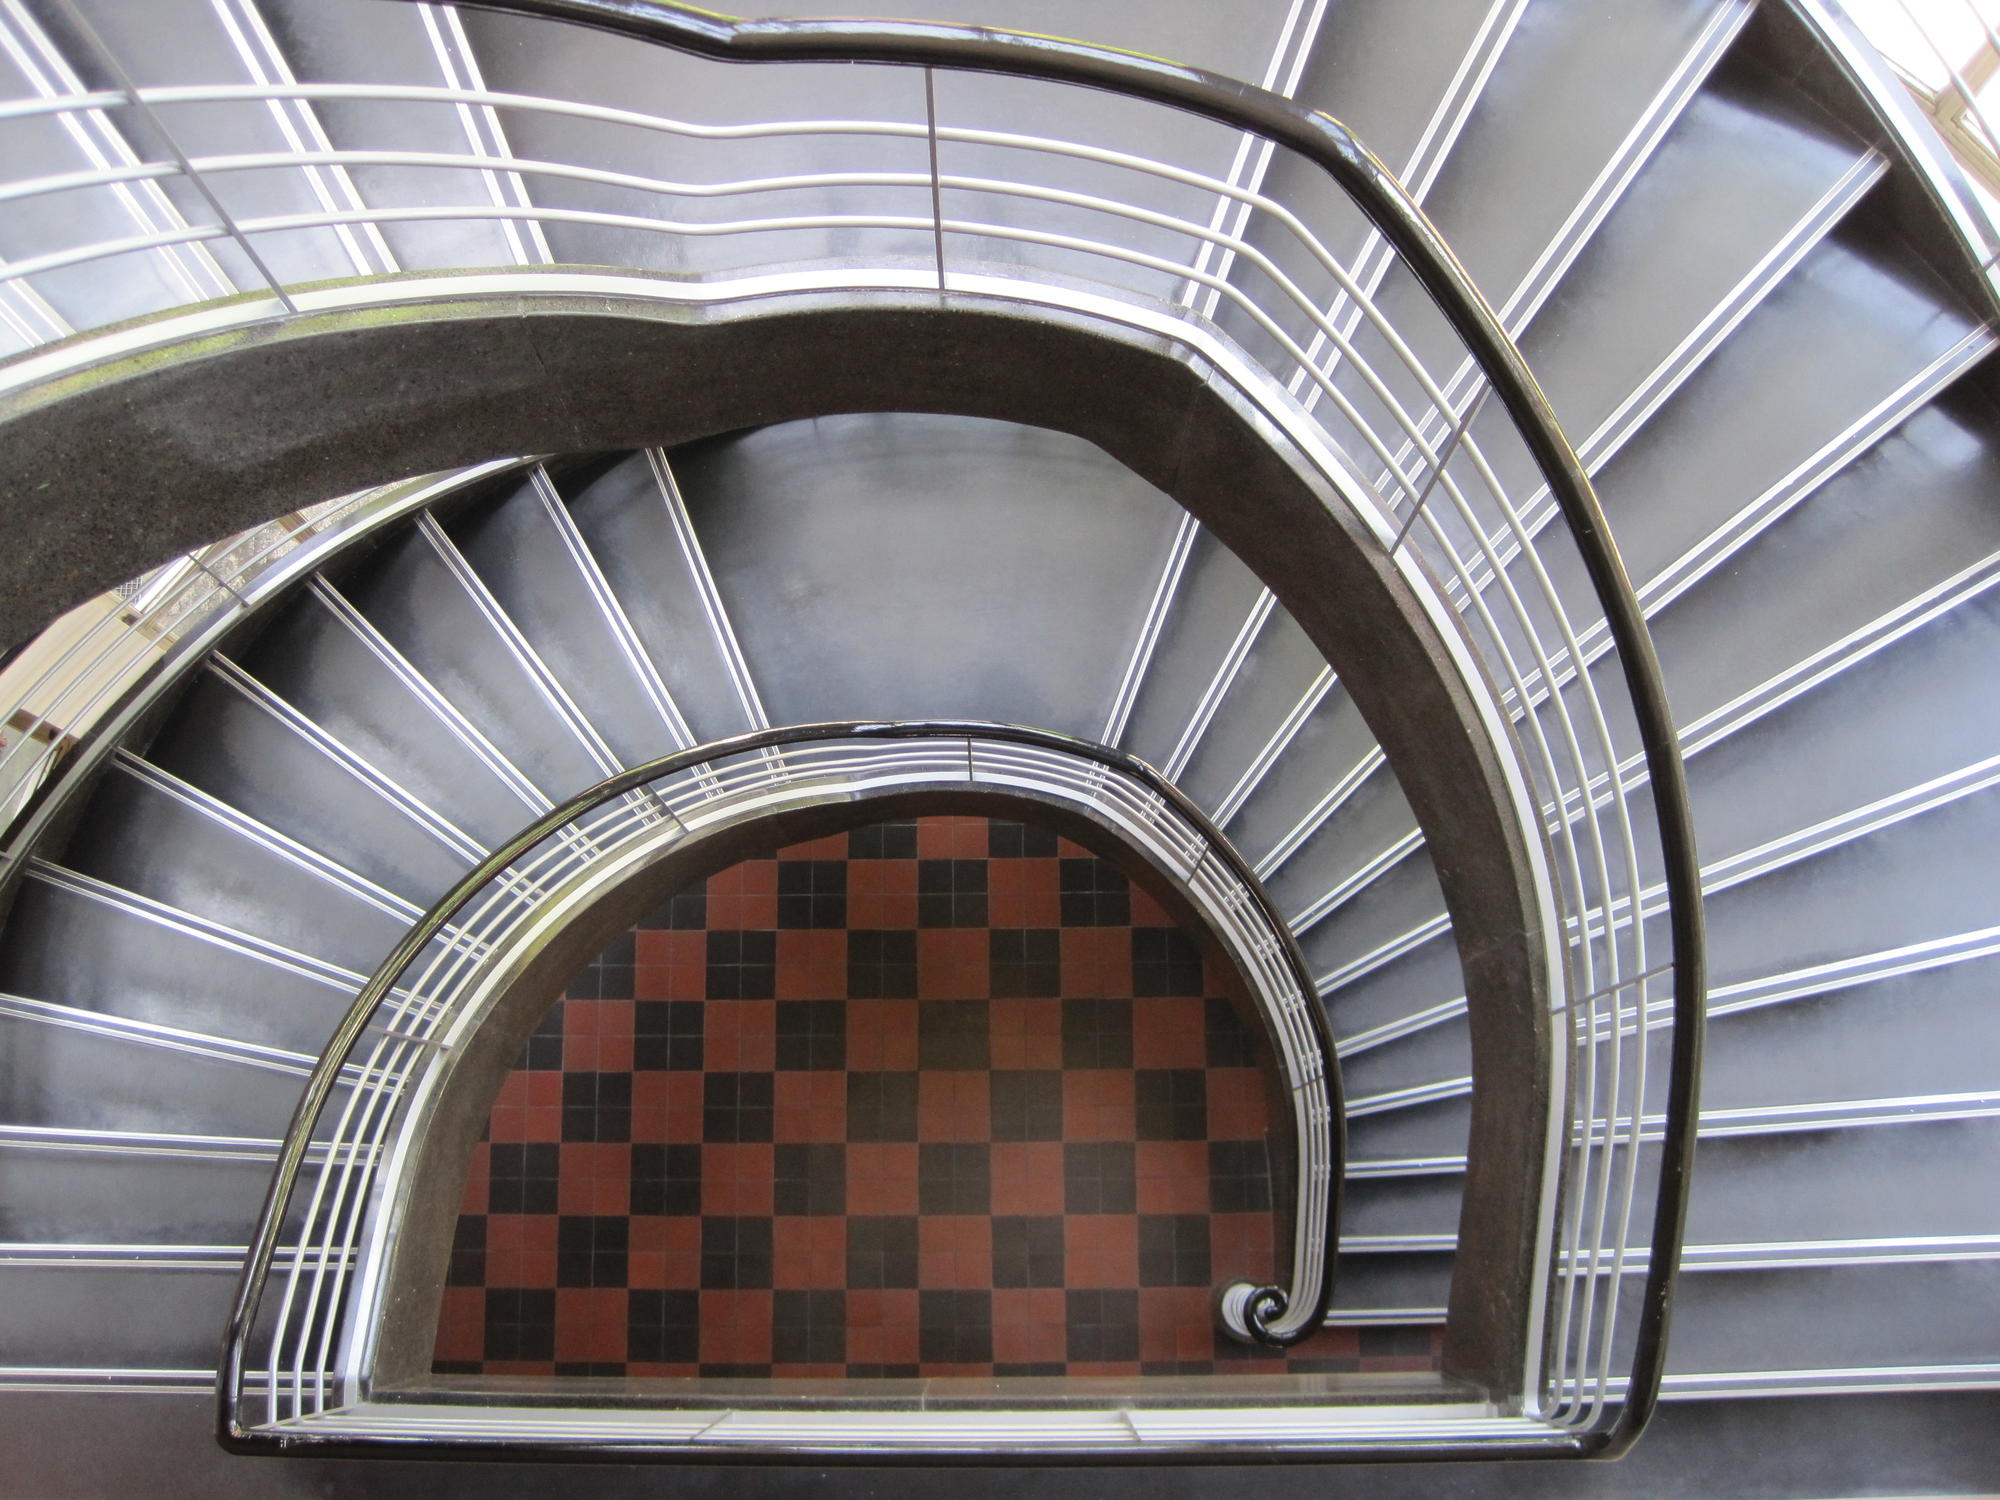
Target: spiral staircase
{"type": "Point", "coordinates": [629, 408]}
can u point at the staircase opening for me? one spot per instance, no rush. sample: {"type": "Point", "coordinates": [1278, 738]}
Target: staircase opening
{"type": "Point", "coordinates": [948, 1098]}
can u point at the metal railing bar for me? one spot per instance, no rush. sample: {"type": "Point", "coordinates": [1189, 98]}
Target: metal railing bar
{"type": "Point", "coordinates": [348, 1190]}
{"type": "Point", "coordinates": [1604, 194]}
{"type": "Point", "coordinates": [194, 179]}
{"type": "Point", "coordinates": [937, 196]}
{"type": "Point", "coordinates": [63, 259]}
{"type": "Point", "coordinates": [341, 1159]}
{"type": "Point", "coordinates": [90, 129]}
{"type": "Point", "coordinates": [1582, 1188]}
{"type": "Point", "coordinates": [264, 60]}
{"type": "Point", "coordinates": [1460, 430]}
{"type": "Point", "coordinates": [625, 117]}
{"type": "Point", "coordinates": [18, 271]}
{"type": "Point", "coordinates": [1599, 853]}
{"type": "Point", "coordinates": [57, 260]}
{"type": "Point", "coordinates": [338, 1257]}
{"type": "Point", "coordinates": [83, 101]}
{"type": "Point", "coordinates": [447, 162]}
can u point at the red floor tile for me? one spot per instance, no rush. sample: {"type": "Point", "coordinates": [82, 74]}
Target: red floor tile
{"type": "Point", "coordinates": [845, 1118]}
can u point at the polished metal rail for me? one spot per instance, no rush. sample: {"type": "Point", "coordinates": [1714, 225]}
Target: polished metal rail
{"type": "Point", "coordinates": [84, 693]}
{"type": "Point", "coordinates": [411, 1019]}
{"type": "Point", "coordinates": [1484, 547]}
{"type": "Point", "coordinates": [88, 658]}
{"type": "Point", "coordinates": [1392, 214]}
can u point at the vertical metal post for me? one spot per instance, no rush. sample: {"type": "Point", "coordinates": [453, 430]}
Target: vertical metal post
{"type": "Point", "coordinates": [937, 197]}
{"type": "Point", "coordinates": [1445, 456]}
{"type": "Point", "coordinates": [130, 90]}
{"type": "Point", "coordinates": [220, 582]}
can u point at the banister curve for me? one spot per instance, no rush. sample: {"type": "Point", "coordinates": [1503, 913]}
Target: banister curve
{"type": "Point", "coordinates": [1336, 150]}
{"type": "Point", "coordinates": [1254, 1308]}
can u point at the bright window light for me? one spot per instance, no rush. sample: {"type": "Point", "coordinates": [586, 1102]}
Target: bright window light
{"type": "Point", "coordinates": [1927, 39]}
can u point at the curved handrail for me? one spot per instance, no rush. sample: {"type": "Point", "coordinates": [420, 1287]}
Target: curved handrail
{"type": "Point", "coordinates": [1256, 1306]}
{"type": "Point", "coordinates": [104, 719]}
{"type": "Point", "coordinates": [1329, 145]}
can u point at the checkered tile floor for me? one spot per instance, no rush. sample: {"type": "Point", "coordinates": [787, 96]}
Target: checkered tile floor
{"type": "Point", "coordinates": [940, 1097]}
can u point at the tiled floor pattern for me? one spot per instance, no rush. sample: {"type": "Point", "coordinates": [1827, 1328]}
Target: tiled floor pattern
{"type": "Point", "coordinates": [938, 1097]}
